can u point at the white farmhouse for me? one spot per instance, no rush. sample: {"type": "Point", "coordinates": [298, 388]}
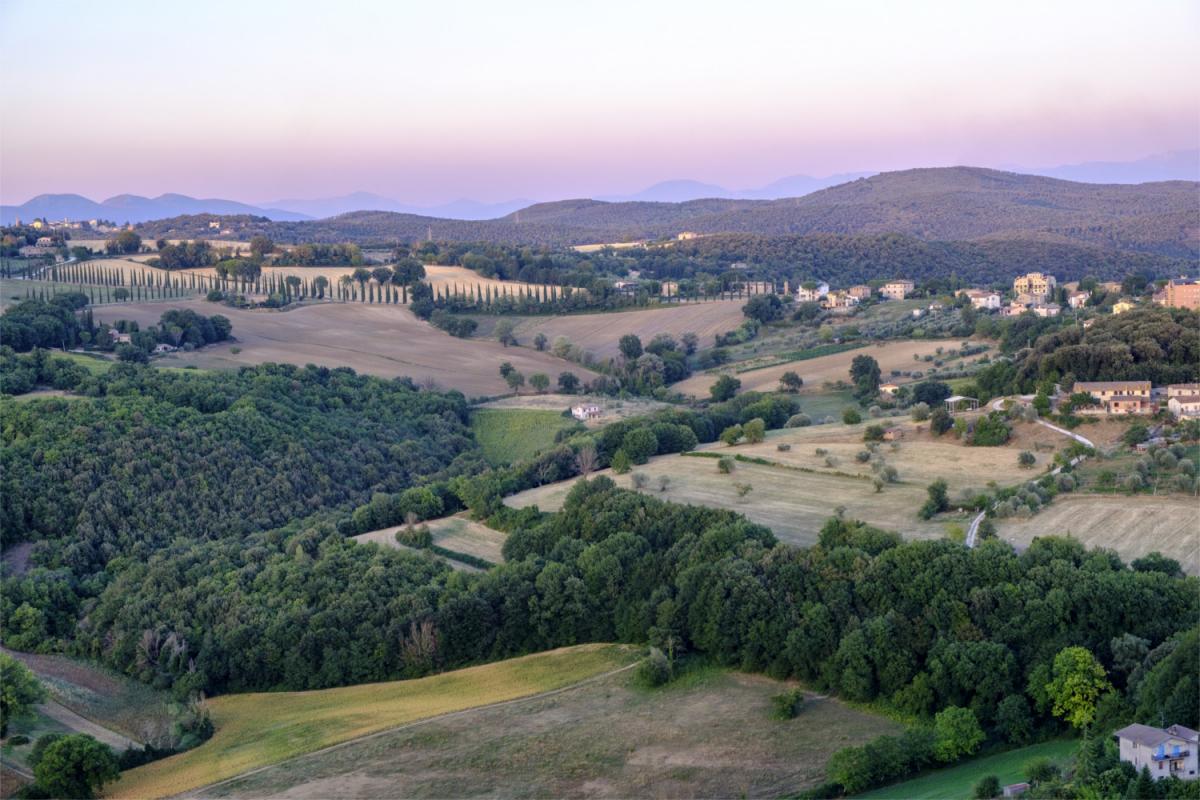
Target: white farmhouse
{"type": "Point", "coordinates": [1164, 752]}
{"type": "Point", "coordinates": [585, 412]}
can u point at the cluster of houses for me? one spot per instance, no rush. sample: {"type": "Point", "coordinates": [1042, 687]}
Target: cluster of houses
{"type": "Point", "coordinates": [97, 225]}
{"type": "Point", "coordinates": [1121, 398]}
{"type": "Point", "coordinates": [849, 298]}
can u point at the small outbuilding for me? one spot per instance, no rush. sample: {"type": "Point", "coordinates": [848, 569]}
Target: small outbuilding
{"type": "Point", "coordinates": [958, 402]}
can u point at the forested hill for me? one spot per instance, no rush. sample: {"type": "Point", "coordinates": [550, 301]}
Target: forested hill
{"type": "Point", "coordinates": [944, 204]}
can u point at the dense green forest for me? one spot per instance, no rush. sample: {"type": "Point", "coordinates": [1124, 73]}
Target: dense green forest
{"type": "Point", "coordinates": [153, 455]}
{"type": "Point", "coordinates": [1153, 343]}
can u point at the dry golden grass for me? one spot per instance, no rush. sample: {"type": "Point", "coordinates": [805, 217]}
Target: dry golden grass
{"type": "Point", "coordinates": [600, 333]}
{"type": "Point", "coordinates": [818, 371]}
{"type": "Point", "coordinates": [458, 533]}
{"type": "Point", "coordinates": [257, 730]}
{"type": "Point", "coordinates": [791, 503]}
{"type": "Point", "coordinates": [920, 458]}
{"type": "Point", "coordinates": [375, 339]}
{"type": "Point", "coordinates": [1133, 526]}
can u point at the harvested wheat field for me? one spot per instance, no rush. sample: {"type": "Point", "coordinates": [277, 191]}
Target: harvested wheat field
{"type": "Point", "coordinates": [447, 278]}
{"type": "Point", "coordinates": [709, 734]}
{"type": "Point", "coordinates": [600, 333]}
{"type": "Point", "coordinates": [375, 339]}
{"type": "Point", "coordinates": [818, 371]}
{"type": "Point", "coordinates": [458, 533]}
{"type": "Point", "coordinates": [919, 457]}
{"type": "Point", "coordinates": [792, 503]}
{"type": "Point", "coordinates": [1132, 526]}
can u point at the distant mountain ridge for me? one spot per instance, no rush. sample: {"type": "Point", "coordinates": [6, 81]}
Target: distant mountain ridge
{"type": "Point", "coordinates": [1175, 165]}
{"type": "Point", "coordinates": [133, 208]}
{"type": "Point", "coordinates": [935, 204]}
{"type": "Point", "coordinates": [681, 191]}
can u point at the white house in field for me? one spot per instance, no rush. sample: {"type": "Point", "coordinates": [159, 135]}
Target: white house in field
{"type": "Point", "coordinates": [585, 412]}
{"type": "Point", "coordinates": [1165, 752]}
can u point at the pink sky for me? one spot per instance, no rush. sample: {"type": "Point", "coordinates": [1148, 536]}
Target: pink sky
{"type": "Point", "coordinates": [259, 101]}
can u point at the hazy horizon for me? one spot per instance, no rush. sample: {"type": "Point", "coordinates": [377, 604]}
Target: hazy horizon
{"type": "Point", "coordinates": [493, 103]}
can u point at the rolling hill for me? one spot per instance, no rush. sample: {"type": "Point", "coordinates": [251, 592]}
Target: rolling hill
{"type": "Point", "coordinates": [943, 204]}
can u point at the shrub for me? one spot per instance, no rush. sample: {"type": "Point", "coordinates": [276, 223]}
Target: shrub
{"type": "Point", "coordinates": [987, 788]}
{"type": "Point", "coordinates": [725, 465]}
{"type": "Point", "coordinates": [783, 447]}
{"type": "Point", "coordinates": [414, 536]}
{"type": "Point", "coordinates": [653, 670]}
{"type": "Point", "coordinates": [18, 740]}
{"type": "Point", "coordinates": [850, 416]}
{"type": "Point", "coordinates": [798, 421]}
{"type": "Point", "coordinates": [732, 434]}
{"type": "Point", "coordinates": [1026, 459]}
{"type": "Point", "coordinates": [862, 456]}
{"type": "Point", "coordinates": [742, 490]}
{"type": "Point", "coordinates": [664, 482]}
{"type": "Point", "coordinates": [787, 705]}
{"type": "Point", "coordinates": [940, 421]}
{"type": "Point", "coordinates": [873, 433]}
{"type": "Point", "coordinates": [755, 430]}
{"type": "Point", "coordinates": [640, 480]}
{"type": "Point", "coordinates": [920, 412]}
{"type": "Point", "coordinates": [937, 502]}
{"type": "Point", "coordinates": [620, 462]}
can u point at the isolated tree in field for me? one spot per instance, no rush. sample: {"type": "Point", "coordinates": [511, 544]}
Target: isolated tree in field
{"type": "Point", "coordinates": [957, 734]}
{"type": "Point", "coordinates": [321, 283]}
{"type": "Point", "coordinates": [725, 388]}
{"type": "Point", "coordinates": [540, 341]}
{"type": "Point", "coordinates": [407, 271]}
{"type": "Point", "coordinates": [755, 430]}
{"type": "Point", "coordinates": [19, 690]}
{"type": "Point", "coordinates": [851, 416]}
{"type": "Point", "coordinates": [1076, 684]}
{"type": "Point", "coordinates": [664, 482]}
{"type": "Point", "coordinates": [75, 766]}
{"type": "Point", "coordinates": [630, 347]}
{"type": "Point", "coordinates": [568, 382]}
{"type": "Point", "coordinates": [931, 393]}
{"type": "Point", "coordinates": [865, 374]}
{"type": "Point", "coordinates": [742, 490]}
{"type": "Point", "coordinates": [940, 421]}
{"type": "Point", "coordinates": [790, 382]}
{"type": "Point", "coordinates": [515, 381]}
{"type": "Point", "coordinates": [540, 381]}
{"type": "Point", "coordinates": [920, 412]}
{"type": "Point", "coordinates": [504, 332]}
{"type": "Point", "coordinates": [505, 369]}
{"type": "Point", "coordinates": [260, 246]}
{"type": "Point", "coordinates": [620, 462]}
{"type": "Point", "coordinates": [1026, 459]}
{"type": "Point", "coordinates": [690, 342]}
{"type": "Point", "coordinates": [938, 500]}
{"type": "Point", "coordinates": [725, 465]}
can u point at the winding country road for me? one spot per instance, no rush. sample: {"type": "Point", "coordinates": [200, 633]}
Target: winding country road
{"type": "Point", "coordinates": [997, 404]}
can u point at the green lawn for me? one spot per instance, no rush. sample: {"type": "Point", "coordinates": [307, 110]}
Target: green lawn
{"type": "Point", "coordinates": [827, 404]}
{"type": "Point", "coordinates": [956, 782]}
{"type": "Point", "coordinates": [511, 434]}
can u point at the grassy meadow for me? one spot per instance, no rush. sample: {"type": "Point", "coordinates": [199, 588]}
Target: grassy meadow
{"type": "Point", "coordinates": [956, 782]}
{"type": "Point", "coordinates": [257, 730]}
{"type": "Point", "coordinates": [707, 734]}
{"type": "Point", "coordinates": [511, 434]}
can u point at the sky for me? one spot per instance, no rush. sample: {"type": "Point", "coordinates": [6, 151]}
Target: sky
{"type": "Point", "coordinates": [429, 102]}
